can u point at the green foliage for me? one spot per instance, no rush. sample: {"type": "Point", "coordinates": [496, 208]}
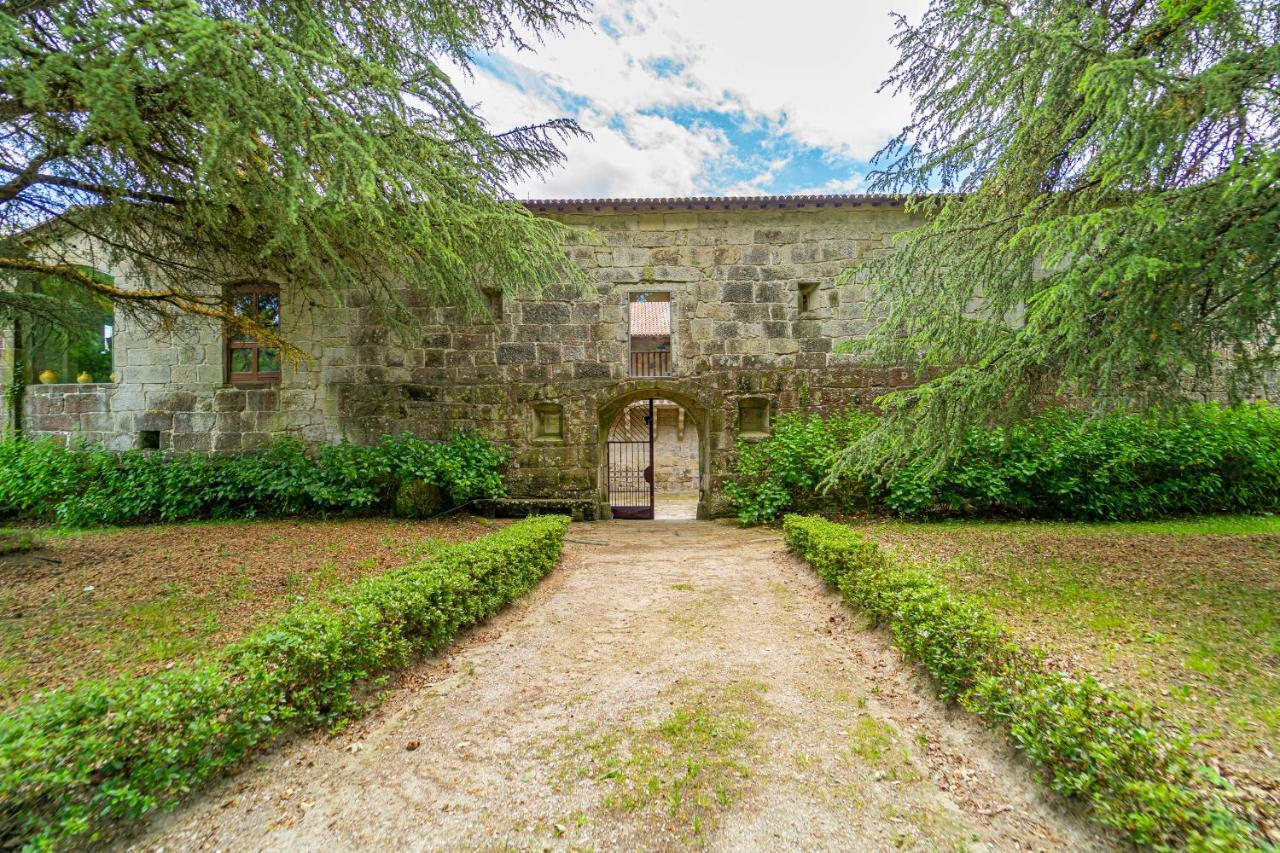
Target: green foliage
{"type": "Point", "coordinates": [1199, 459]}
{"type": "Point", "coordinates": [418, 499]}
{"type": "Point", "coordinates": [1139, 772]}
{"type": "Point", "coordinates": [88, 486]}
{"type": "Point", "coordinates": [1106, 231]}
{"type": "Point", "coordinates": [74, 761]}
{"type": "Point", "coordinates": [1060, 464]}
{"type": "Point", "coordinates": [322, 144]}
{"type": "Point", "coordinates": [784, 470]}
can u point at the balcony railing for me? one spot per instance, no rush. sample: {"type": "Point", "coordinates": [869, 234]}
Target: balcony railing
{"type": "Point", "coordinates": [651, 364]}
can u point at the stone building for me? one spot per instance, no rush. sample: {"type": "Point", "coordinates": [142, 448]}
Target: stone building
{"type": "Point", "coordinates": [723, 310]}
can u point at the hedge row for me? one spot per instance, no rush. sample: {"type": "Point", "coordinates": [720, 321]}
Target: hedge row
{"type": "Point", "coordinates": [88, 485]}
{"type": "Point", "coordinates": [1139, 772]}
{"type": "Point", "coordinates": [73, 761]}
{"type": "Point", "coordinates": [1061, 464]}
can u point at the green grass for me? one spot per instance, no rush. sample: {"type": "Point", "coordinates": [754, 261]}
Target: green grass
{"type": "Point", "coordinates": [1214, 525]}
{"type": "Point", "coordinates": [1191, 623]}
{"type": "Point", "coordinates": [682, 769]}
{"type": "Point", "coordinates": [110, 601]}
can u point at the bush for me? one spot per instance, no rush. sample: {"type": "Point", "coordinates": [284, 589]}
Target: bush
{"type": "Point", "coordinates": [1199, 459]}
{"type": "Point", "coordinates": [1061, 464]}
{"type": "Point", "coordinates": [419, 499]}
{"type": "Point", "coordinates": [783, 471]}
{"type": "Point", "coordinates": [86, 486]}
{"type": "Point", "coordinates": [74, 760]}
{"type": "Point", "coordinates": [1139, 772]}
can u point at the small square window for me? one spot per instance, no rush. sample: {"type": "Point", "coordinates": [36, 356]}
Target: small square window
{"type": "Point", "coordinates": [808, 296]}
{"type": "Point", "coordinates": [753, 417]}
{"type": "Point", "coordinates": [548, 422]}
{"type": "Point", "coordinates": [149, 439]}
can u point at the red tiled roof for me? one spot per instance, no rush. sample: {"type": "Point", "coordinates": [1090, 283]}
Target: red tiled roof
{"type": "Point", "coordinates": [651, 319]}
{"type": "Point", "coordinates": [712, 202]}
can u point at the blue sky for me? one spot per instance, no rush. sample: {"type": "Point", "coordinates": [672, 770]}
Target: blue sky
{"type": "Point", "coordinates": [706, 97]}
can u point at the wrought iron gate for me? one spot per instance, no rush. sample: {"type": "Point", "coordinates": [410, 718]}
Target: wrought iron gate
{"type": "Point", "coordinates": [630, 448]}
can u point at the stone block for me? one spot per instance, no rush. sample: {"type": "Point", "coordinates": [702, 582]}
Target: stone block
{"type": "Point", "coordinates": [676, 273]}
{"type": "Point", "coordinates": [162, 421]}
{"type": "Point", "coordinates": [518, 353]}
{"type": "Point", "coordinates": [199, 442]}
{"type": "Point", "coordinates": [546, 312]}
{"type": "Point", "coordinates": [776, 329]}
{"type": "Point", "coordinates": [589, 370]}
{"type": "Point", "coordinates": [194, 422]}
{"type": "Point", "coordinates": [262, 399]}
{"type": "Point", "coordinates": [158, 374]}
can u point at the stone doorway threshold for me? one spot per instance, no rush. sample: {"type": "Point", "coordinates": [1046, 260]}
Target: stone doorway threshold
{"type": "Point", "coordinates": [675, 506]}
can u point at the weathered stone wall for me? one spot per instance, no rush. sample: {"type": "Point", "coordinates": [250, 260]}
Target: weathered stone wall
{"type": "Point", "coordinates": [739, 334]}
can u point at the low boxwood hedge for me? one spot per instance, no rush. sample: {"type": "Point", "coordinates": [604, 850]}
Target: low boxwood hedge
{"type": "Point", "coordinates": [74, 761]}
{"type": "Point", "coordinates": [1139, 772]}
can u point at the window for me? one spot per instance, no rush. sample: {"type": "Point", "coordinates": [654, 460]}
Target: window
{"type": "Point", "coordinates": [493, 301]}
{"type": "Point", "coordinates": [808, 296]}
{"type": "Point", "coordinates": [548, 422]}
{"type": "Point", "coordinates": [247, 359]}
{"type": "Point", "coordinates": [650, 326]}
{"type": "Point", "coordinates": [753, 417]}
{"type": "Point", "coordinates": [77, 346]}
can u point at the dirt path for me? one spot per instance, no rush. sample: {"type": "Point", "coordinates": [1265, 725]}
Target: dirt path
{"type": "Point", "coordinates": [672, 684]}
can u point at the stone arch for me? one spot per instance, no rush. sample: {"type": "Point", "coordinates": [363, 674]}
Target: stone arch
{"type": "Point", "coordinates": [698, 410]}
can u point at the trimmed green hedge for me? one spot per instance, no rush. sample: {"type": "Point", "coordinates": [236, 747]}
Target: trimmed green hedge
{"type": "Point", "coordinates": [1061, 464]}
{"type": "Point", "coordinates": [86, 486]}
{"type": "Point", "coordinates": [73, 761]}
{"type": "Point", "coordinates": [1139, 772]}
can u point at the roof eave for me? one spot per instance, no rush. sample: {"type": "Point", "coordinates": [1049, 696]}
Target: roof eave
{"type": "Point", "coordinates": [712, 203]}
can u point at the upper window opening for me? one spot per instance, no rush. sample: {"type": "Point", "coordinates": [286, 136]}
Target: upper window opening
{"type": "Point", "coordinates": [248, 360]}
{"type": "Point", "coordinates": [78, 347]}
{"type": "Point", "coordinates": [650, 334]}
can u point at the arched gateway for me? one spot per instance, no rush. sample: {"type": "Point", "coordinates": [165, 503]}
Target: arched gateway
{"type": "Point", "coordinates": [630, 455]}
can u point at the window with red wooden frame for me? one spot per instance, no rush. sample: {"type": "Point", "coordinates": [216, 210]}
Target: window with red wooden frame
{"type": "Point", "coordinates": [247, 359]}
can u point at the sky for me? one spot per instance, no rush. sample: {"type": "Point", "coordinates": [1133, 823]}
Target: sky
{"type": "Point", "coordinates": [706, 97]}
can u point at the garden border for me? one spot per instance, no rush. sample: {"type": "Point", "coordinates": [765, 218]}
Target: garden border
{"type": "Point", "coordinates": [74, 762]}
{"type": "Point", "coordinates": [1139, 771]}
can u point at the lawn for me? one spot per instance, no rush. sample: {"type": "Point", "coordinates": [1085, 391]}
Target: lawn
{"type": "Point", "coordinates": [138, 600]}
{"type": "Point", "coordinates": [1185, 613]}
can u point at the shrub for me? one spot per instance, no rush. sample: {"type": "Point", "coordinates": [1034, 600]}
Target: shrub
{"type": "Point", "coordinates": [1139, 772]}
{"type": "Point", "coordinates": [783, 471]}
{"type": "Point", "coordinates": [1061, 464]}
{"type": "Point", "coordinates": [1198, 459]}
{"type": "Point", "coordinates": [71, 761]}
{"type": "Point", "coordinates": [88, 485]}
{"type": "Point", "coordinates": [419, 499]}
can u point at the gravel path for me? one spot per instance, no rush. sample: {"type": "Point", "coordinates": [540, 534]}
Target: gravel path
{"type": "Point", "coordinates": [671, 684]}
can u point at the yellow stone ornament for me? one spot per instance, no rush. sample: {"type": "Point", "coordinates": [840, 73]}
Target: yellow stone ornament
{"type": "Point", "coordinates": [85, 377]}
{"type": "Point", "coordinates": [48, 377]}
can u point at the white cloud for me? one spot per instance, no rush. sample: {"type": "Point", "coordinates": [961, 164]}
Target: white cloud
{"type": "Point", "coordinates": [806, 71]}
